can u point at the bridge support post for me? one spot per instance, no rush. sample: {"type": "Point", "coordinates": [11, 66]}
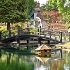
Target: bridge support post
{"type": "Point", "coordinates": [39, 40]}
{"type": "Point", "coordinates": [48, 42]}
{"type": "Point", "coordinates": [28, 44]}
{"type": "Point", "coordinates": [18, 30]}
{"type": "Point", "coordinates": [60, 37]}
{"type": "Point", "coordinates": [39, 30]}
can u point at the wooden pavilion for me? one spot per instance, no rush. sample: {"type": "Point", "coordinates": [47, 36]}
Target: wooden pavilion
{"type": "Point", "coordinates": [43, 50]}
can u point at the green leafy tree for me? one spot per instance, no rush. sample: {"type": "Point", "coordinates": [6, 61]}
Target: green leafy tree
{"type": "Point", "coordinates": [60, 6]}
{"type": "Point", "coordinates": [31, 5]}
{"type": "Point", "coordinates": [51, 5]}
{"type": "Point", "coordinates": [13, 11]}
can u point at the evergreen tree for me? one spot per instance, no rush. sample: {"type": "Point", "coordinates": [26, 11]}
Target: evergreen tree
{"type": "Point", "coordinates": [12, 11]}
{"type": "Point", "coordinates": [31, 5]}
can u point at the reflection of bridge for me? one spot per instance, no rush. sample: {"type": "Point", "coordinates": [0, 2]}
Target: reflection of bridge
{"type": "Point", "coordinates": [40, 35]}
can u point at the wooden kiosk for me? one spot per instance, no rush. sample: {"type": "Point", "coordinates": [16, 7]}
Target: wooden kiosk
{"type": "Point", "coordinates": [43, 50]}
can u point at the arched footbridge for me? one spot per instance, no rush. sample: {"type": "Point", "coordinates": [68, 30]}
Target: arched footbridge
{"type": "Point", "coordinates": [41, 35]}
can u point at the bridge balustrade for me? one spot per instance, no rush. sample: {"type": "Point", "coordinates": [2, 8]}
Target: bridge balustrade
{"type": "Point", "coordinates": [61, 36]}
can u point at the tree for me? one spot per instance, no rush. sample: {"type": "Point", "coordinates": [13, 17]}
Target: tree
{"type": "Point", "coordinates": [63, 6]}
{"type": "Point", "coordinates": [64, 10]}
{"type": "Point", "coordinates": [51, 5]}
{"type": "Point", "coordinates": [31, 5]}
{"type": "Point", "coordinates": [12, 11]}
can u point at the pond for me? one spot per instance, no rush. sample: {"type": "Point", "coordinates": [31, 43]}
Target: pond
{"type": "Point", "coordinates": [16, 61]}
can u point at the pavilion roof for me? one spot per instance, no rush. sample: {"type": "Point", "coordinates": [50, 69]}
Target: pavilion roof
{"type": "Point", "coordinates": [42, 47]}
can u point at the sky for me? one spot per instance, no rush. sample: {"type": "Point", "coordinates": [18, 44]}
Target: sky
{"type": "Point", "coordinates": [41, 1]}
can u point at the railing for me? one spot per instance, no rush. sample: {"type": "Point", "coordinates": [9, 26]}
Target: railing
{"type": "Point", "coordinates": [61, 36]}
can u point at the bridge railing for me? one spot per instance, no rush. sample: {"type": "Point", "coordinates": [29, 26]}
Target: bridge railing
{"type": "Point", "coordinates": [61, 36]}
{"type": "Point", "coordinates": [4, 35]}
{"type": "Point", "coordinates": [20, 31]}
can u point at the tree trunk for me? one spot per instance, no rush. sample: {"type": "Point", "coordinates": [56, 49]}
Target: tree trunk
{"type": "Point", "coordinates": [8, 28]}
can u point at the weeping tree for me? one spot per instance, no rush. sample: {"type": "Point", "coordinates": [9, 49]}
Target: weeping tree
{"type": "Point", "coordinates": [13, 11]}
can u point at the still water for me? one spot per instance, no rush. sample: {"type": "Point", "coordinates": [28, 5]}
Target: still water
{"type": "Point", "coordinates": [16, 61]}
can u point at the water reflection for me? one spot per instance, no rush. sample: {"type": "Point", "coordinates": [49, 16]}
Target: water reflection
{"type": "Point", "coordinates": [42, 63]}
{"type": "Point", "coordinates": [11, 61]}
{"type": "Point", "coordinates": [14, 61]}
{"type": "Point", "coordinates": [67, 61]}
